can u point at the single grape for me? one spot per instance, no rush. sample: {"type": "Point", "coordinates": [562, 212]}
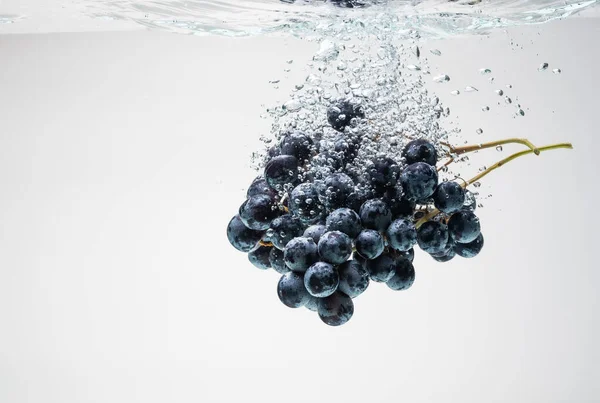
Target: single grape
{"type": "Point", "coordinates": [241, 237]}
{"type": "Point", "coordinates": [344, 220]}
{"type": "Point", "coordinates": [375, 214]}
{"type": "Point", "coordinates": [383, 173]}
{"type": "Point", "coordinates": [259, 257]}
{"type": "Point", "coordinates": [335, 247]}
{"type": "Point", "coordinates": [277, 262]}
{"type": "Point", "coordinates": [273, 151]}
{"type": "Point", "coordinates": [432, 236]}
{"type": "Point", "coordinates": [403, 277]}
{"type": "Point", "coordinates": [354, 278]}
{"type": "Point", "coordinates": [336, 309]}
{"type": "Point", "coordinates": [312, 304]}
{"type": "Point", "coordinates": [400, 206]}
{"type": "Point", "coordinates": [464, 226]}
{"type": "Point", "coordinates": [315, 232]}
{"type": "Point", "coordinates": [401, 234]}
{"type": "Point", "coordinates": [305, 203]}
{"type": "Point", "coordinates": [283, 229]}
{"type": "Point", "coordinates": [259, 187]}
{"type": "Point", "coordinates": [357, 198]}
{"type": "Point", "coordinates": [381, 269]}
{"type": "Point", "coordinates": [291, 290]}
{"type": "Point", "coordinates": [420, 151]}
{"type": "Point", "coordinates": [281, 170]}
{"type": "Point", "coordinates": [341, 113]}
{"type": "Point", "coordinates": [300, 253]}
{"type": "Point", "coordinates": [419, 180]}
{"type": "Point", "coordinates": [337, 187]}
{"type": "Point", "coordinates": [445, 257]}
{"type": "Point", "coordinates": [321, 279]}
{"type": "Point", "coordinates": [409, 254]}
{"type": "Point", "coordinates": [345, 148]}
{"type": "Point", "coordinates": [297, 144]}
{"type": "Point", "coordinates": [449, 197]}
{"type": "Point", "coordinates": [369, 243]}
{"type": "Point", "coordinates": [258, 211]}
{"type": "Point", "coordinates": [470, 249]}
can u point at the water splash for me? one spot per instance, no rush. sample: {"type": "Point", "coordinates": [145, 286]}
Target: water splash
{"type": "Point", "coordinates": [427, 18]}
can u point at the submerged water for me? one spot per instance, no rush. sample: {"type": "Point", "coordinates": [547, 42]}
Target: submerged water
{"type": "Point", "coordinates": [240, 18]}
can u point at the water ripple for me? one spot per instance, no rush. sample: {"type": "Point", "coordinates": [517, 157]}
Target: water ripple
{"type": "Point", "coordinates": [241, 18]}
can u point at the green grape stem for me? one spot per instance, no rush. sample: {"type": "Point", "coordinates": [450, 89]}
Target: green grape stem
{"type": "Point", "coordinates": [461, 150]}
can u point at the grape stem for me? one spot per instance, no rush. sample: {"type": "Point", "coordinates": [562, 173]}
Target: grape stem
{"type": "Point", "coordinates": [497, 165]}
{"type": "Point", "coordinates": [456, 151]}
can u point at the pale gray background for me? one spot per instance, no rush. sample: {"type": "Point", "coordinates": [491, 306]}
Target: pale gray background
{"type": "Point", "coordinates": [123, 155]}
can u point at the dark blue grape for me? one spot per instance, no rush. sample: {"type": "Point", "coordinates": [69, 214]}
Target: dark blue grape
{"type": "Point", "coordinates": [281, 170]}
{"type": "Point", "coordinates": [259, 187]}
{"type": "Point", "coordinates": [383, 173]}
{"type": "Point", "coordinates": [336, 309]}
{"type": "Point", "coordinates": [341, 113]}
{"type": "Point", "coordinates": [258, 211]}
{"type": "Point", "coordinates": [381, 269]}
{"type": "Point", "coordinates": [354, 278]}
{"type": "Point", "coordinates": [432, 236]}
{"type": "Point", "coordinates": [420, 151]}
{"type": "Point", "coordinates": [277, 262]}
{"type": "Point", "coordinates": [344, 220]}
{"type": "Point", "coordinates": [241, 237]}
{"type": "Point", "coordinates": [273, 151]}
{"type": "Point", "coordinates": [283, 229]}
{"type": "Point", "coordinates": [409, 254]}
{"type": "Point", "coordinates": [291, 290]}
{"type": "Point", "coordinates": [401, 234]}
{"type": "Point", "coordinates": [321, 280]}
{"type": "Point", "coordinates": [369, 243]}
{"type": "Point", "coordinates": [304, 203]}
{"type": "Point", "coordinates": [403, 277]}
{"type": "Point", "coordinates": [449, 197]}
{"type": "Point", "coordinates": [375, 214]}
{"type": "Point", "coordinates": [470, 249]}
{"type": "Point", "coordinates": [300, 253]}
{"type": "Point", "coordinates": [312, 304]}
{"type": "Point", "coordinates": [335, 247]}
{"type": "Point", "coordinates": [297, 144]}
{"type": "Point", "coordinates": [357, 198]}
{"type": "Point", "coordinates": [337, 187]}
{"type": "Point", "coordinates": [419, 181]}
{"type": "Point", "coordinates": [400, 206]}
{"type": "Point", "coordinates": [464, 226]}
{"type": "Point", "coordinates": [259, 257]}
{"type": "Point", "coordinates": [445, 257]}
{"type": "Point", "coordinates": [341, 151]}
{"type": "Point", "coordinates": [315, 232]}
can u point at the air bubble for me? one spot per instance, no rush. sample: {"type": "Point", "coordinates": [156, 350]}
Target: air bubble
{"type": "Point", "coordinates": [413, 67]}
{"type": "Point", "coordinates": [441, 78]}
{"type": "Point", "coordinates": [455, 92]}
{"type": "Point", "coordinates": [479, 131]}
{"type": "Point", "coordinates": [469, 88]}
{"type": "Point", "coordinates": [557, 71]}
{"type": "Point", "coordinates": [485, 71]}
{"type": "Point", "coordinates": [499, 148]}
{"type": "Point", "coordinates": [499, 92]}
{"type": "Point", "coordinates": [543, 67]}
{"type": "Point", "coordinates": [435, 52]}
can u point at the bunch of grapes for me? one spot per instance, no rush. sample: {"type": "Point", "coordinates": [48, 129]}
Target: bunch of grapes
{"type": "Point", "coordinates": [329, 232]}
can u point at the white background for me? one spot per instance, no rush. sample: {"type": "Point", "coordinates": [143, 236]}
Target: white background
{"type": "Point", "coordinates": [123, 155]}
